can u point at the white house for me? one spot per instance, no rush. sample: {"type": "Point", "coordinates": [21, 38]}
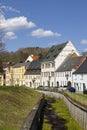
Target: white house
{"type": "Point", "coordinates": [31, 58]}
{"type": "Point", "coordinates": [80, 78]}
{"type": "Point", "coordinates": [54, 58]}
{"type": "Point", "coordinates": [7, 75]}
{"type": "Point", "coordinates": [64, 73]}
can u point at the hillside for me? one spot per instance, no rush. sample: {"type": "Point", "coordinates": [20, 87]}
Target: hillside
{"type": "Point", "coordinates": [22, 54]}
{"type": "Point", "coordinates": [15, 104]}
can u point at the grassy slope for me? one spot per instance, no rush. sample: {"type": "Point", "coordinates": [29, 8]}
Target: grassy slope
{"type": "Point", "coordinates": [79, 98]}
{"type": "Point", "coordinates": [15, 103]}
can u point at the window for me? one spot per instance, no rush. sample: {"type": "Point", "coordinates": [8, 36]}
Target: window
{"type": "Point", "coordinates": [75, 77]}
{"type": "Point", "coordinates": [81, 77]}
{"type": "Point", "coordinates": [84, 86]}
{"type": "Point", "coordinates": [53, 65]}
{"type": "Point", "coordinates": [42, 66]}
{"type": "Point", "coordinates": [52, 74]}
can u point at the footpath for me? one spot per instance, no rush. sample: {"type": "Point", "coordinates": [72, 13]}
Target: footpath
{"type": "Point", "coordinates": [56, 122]}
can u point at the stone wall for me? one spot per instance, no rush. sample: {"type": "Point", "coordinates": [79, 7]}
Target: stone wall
{"type": "Point", "coordinates": [34, 120]}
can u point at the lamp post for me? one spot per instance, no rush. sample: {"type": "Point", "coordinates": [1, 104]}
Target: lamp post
{"type": "Point", "coordinates": [33, 80]}
{"type": "Point", "coordinates": [67, 76]}
{"type": "Point", "coordinates": [17, 81]}
{"type": "Point", "coordinates": [49, 80]}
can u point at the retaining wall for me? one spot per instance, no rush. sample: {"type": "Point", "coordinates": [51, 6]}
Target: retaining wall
{"type": "Point", "coordinates": [34, 120]}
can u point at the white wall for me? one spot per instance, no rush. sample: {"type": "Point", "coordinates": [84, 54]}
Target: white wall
{"type": "Point", "coordinates": [29, 81]}
{"type": "Point", "coordinates": [61, 78]}
{"type": "Point", "coordinates": [67, 50]}
{"type": "Point", "coordinates": [80, 81]}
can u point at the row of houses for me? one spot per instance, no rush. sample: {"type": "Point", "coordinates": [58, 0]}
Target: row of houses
{"type": "Point", "coordinates": [62, 66]}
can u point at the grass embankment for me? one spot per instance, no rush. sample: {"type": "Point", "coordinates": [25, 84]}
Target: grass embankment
{"type": "Point", "coordinates": [79, 98]}
{"type": "Point", "coordinates": [15, 104]}
{"type": "Point", "coordinates": [63, 120]}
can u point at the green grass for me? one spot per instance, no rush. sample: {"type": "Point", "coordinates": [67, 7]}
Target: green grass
{"type": "Point", "coordinates": [15, 104]}
{"type": "Point", "coordinates": [46, 126]}
{"type": "Point", "coordinates": [79, 98]}
{"type": "Point", "coordinates": [63, 112]}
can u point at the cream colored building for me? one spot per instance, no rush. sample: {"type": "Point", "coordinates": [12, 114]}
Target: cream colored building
{"type": "Point", "coordinates": [1, 79]}
{"type": "Point", "coordinates": [17, 73]}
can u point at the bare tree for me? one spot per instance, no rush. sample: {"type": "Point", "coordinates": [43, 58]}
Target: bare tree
{"type": "Point", "coordinates": [2, 45]}
{"type": "Point", "coordinates": [1, 49]}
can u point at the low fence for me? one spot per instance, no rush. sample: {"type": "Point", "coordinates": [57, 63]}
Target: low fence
{"type": "Point", "coordinates": [34, 120]}
{"type": "Point", "coordinates": [78, 112]}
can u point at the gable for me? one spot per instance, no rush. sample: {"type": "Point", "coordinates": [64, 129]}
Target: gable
{"type": "Point", "coordinates": [54, 52]}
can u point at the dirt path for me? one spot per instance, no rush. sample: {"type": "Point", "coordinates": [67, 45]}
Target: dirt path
{"type": "Point", "coordinates": [52, 118]}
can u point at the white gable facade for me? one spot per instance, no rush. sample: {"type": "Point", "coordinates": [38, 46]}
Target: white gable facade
{"type": "Point", "coordinates": [67, 50]}
{"type": "Point", "coordinates": [29, 59]}
{"type": "Point", "coordinates": [48, 68]}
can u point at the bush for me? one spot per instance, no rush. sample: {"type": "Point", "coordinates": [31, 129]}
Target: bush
{"type": "Point", "coordinates": [85, 91]}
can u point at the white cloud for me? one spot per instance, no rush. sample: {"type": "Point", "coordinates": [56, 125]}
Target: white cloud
{"type": "Point", "coordinates": [8, 8]}
{"type": "Point", "coordinates": [8, 26]}
{"type": "Point", "coordinates": [83, 42]}
{"type": "Point", "coordinates": [16, 23]}
{"type": "Point", "coordinates": [44, 33]}
{"type": "Point", "coordinates": [2, 18]}
{"type": "Point", "coordinates": [10, 35]}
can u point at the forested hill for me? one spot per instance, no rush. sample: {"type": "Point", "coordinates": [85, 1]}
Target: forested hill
{"type": "Point", "coordinates": [22, 54]}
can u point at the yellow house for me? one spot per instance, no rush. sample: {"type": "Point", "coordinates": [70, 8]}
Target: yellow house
{"type": "Point", "coordinates": [17, 73]}
{"type": "Point", "coordinates": [1, 79]}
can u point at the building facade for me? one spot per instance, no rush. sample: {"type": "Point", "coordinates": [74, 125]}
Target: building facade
{"type": "Point", "coordinates": [80, 78]}
{"type": "Point", "coordinates": [17, 73]}
{"type": "Point", "coordinates": [1, 79]}
{"type": "Point", "coordinates": [33, 74]}
{"type": "Point", "coordinates": [64, 74]}
{"type": "Point", "coordinates": [54, 58]}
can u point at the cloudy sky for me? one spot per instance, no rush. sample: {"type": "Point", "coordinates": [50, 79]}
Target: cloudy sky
{"type": "Point", "coordinates": [43, 23]}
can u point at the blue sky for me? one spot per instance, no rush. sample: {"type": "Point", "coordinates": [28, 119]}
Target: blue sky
{"type": "Point", "coordinates": [43, 23]}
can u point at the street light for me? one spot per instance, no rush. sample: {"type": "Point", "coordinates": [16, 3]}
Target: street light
{"type": "Point", "coordinates": [18, 81]}
{"type": "Point", "coordinates": [49, 80]}
{"type": "Point", "coordinates": [67, 76]}
{"type": "Point", "coordinates": [33, 80]}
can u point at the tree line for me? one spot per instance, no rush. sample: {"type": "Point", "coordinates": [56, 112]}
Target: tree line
{"type": "Point", "coordinates": [21, 54]}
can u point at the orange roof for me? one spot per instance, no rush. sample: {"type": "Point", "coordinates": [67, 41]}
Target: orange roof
{"type": "Point", "coordinates": [35, 57]}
